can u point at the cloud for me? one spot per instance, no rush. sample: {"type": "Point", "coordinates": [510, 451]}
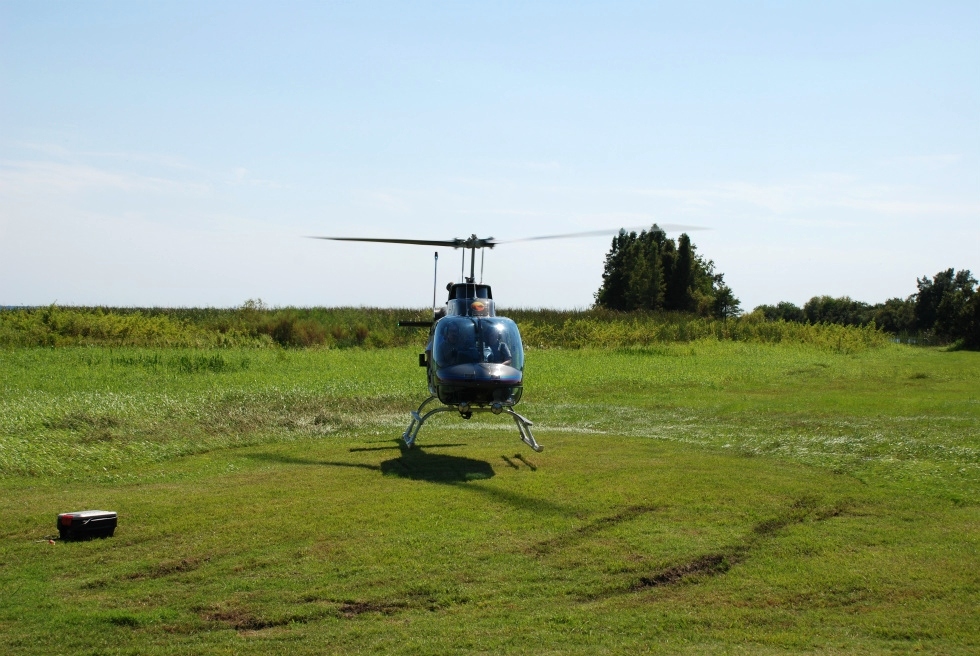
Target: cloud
{"type": "Point", "coordinates": [240, 176]}
{"type": "Point", "coordinates": [824, 192]}
{"type": "Point", "coordinates": [941, 161]}
{"type": "Point", "coordinates": [40, 178]}
{"type": "Point", "coordinates": [60, 171]}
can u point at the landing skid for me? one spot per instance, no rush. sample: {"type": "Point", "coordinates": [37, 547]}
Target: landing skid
{"type": "Point", "coordinates": [523, 423]}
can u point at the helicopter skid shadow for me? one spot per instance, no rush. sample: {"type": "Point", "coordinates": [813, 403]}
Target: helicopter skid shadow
{"type": "Point", "coordinates": [418, 464]}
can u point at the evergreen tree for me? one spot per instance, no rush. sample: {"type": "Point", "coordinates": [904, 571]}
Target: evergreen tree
{"type": "Point", "coordinates": [679, 295]}
{"type": "Point", "coordinates": [646, 277]}
{"type": "Point", "coordinates": [668, 256]}
{"type": "Point", "coordinates": [616, 273]}
{"type": "Point", "coordinates": [653, 273]}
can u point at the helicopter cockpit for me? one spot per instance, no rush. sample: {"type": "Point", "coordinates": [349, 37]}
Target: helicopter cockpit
{"type": "Point", "coordinates": [477, 340]}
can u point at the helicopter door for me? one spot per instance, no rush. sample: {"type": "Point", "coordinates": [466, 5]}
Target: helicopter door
{"type": "Point", "coordinates": [500, 342]}
{"type": "Point", "coordinates": [455, 342]}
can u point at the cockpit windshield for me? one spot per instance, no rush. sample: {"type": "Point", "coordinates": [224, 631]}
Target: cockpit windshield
{"type": "Point", "coordinates": [472, 340]}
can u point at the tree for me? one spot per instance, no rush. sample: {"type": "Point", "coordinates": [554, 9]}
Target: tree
{"type": "Point", "coordinates": [947, 305]}
{"type": "Point", "coordinates": [930, 295]}
{"type": "Point", "coordinates": [646, 277]}
{"type": "Point", "coordinates": [952, 315]}
{"type": "Point", "coordinates": [725, 304]}
{"type": "Point", "coordinates": [653, 273]}
{"type": "Point", "coordinates": [895, 315]}
{"type": "Point", "coordinates": [971, 322]}
{"type": "Point", "coordinates": [843, 310]}
{"type": "Point", "coordinates": [668, 256]}
{"type": "Point", "coordinates": [783, 310]}
{"type": "Point", "coordinates": [616, 272]}
{"type": "Point", "coordinates": [679, 297]}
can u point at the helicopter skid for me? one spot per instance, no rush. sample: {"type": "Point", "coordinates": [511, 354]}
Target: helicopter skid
{"type": "Point", "coordinates": [523, 423]}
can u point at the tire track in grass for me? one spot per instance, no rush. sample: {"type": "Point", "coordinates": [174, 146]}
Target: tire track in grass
{"type": "Point", "coordinates": [242, 619]}
{"type": "Point", "coordinates": [550, 545]}
{"type": "Point", "coordinates": [705, 565]}
{"type": "Point", "coordinates": [720, 562]}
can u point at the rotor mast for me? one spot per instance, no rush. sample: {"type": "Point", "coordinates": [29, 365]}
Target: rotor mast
{"type": "Point", "coordinates": [472, 277]}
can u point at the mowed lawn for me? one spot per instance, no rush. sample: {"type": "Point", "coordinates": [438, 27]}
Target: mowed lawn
{"type": "Point", "coordinates": [711, 497]}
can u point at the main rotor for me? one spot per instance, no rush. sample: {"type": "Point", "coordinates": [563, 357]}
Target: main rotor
{"type": "Point", "coordinates": [473, 242]}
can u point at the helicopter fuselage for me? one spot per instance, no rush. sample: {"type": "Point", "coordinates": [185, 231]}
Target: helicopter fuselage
{"type": "Point", "coordinates": [474, 357]}
{"type": "Point", "coordinates": [474, 361]}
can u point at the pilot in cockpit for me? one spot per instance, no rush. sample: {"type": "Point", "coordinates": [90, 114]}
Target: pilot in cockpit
{"type": "Point", "coordinates": [495, 349]}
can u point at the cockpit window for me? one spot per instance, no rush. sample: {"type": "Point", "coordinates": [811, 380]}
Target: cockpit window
{"type": "Point", "coordinates": [470, 340]}
{"type": "Point", "coordinates": [470, 290]}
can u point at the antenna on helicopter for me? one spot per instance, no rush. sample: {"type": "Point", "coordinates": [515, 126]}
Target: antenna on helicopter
{"type": "Point", "coordinates": [435, 282]}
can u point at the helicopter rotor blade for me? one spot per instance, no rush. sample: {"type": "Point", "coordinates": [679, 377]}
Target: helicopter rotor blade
{"type": "Point", "coordinates": [599, 233]}
{"type": "Point", "coordinates": [474, 242]}
{"type": "Point", "coordinates": [449, 243]}
{"type": "Point", "coordinates": [471, 242]}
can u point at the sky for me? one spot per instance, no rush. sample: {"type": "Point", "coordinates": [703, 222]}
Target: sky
{"type": "Point", "coordinates": [179, 153]}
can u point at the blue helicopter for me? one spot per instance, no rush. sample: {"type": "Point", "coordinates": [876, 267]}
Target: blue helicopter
{"type": "Point", "coordinates": [474, 359]}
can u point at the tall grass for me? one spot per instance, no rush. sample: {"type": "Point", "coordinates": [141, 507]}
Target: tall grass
{"type": "Point", "coordinates": [604, 329]}
{"type": "Point", "coordinates": [251, 325]}
{"type": "Point", "coordinates": [254, 325]}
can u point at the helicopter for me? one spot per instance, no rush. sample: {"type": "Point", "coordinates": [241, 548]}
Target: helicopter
{"type": "Point", "coordinates": [474, 358]}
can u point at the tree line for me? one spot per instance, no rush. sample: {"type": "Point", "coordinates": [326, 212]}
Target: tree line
{"type": "Point", "coordinates": [945, 310]}
{"type": "Point", "coordinates": [649, 272]}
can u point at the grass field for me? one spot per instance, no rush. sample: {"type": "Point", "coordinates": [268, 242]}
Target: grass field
{"type": "Point", "coordinates": [706, 497]}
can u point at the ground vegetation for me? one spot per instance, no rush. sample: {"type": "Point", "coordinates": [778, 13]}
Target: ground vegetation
{"type": "Point", "coordinates": [255, 326]}
{"type": "Point", "coordinates": [704, 496]}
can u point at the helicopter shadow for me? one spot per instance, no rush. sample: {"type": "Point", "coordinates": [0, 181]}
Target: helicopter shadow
{"type": "Point", "coordinates": [417, 463]}
{"type": "Point", "coordinates": [420, 464]}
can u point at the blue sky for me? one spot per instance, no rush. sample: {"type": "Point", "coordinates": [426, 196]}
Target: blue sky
{"type": "Point", "coordinates": [176, 153]}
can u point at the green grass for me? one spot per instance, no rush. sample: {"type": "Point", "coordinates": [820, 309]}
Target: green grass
{"type": "Point", "coordinates": [715, 497]}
